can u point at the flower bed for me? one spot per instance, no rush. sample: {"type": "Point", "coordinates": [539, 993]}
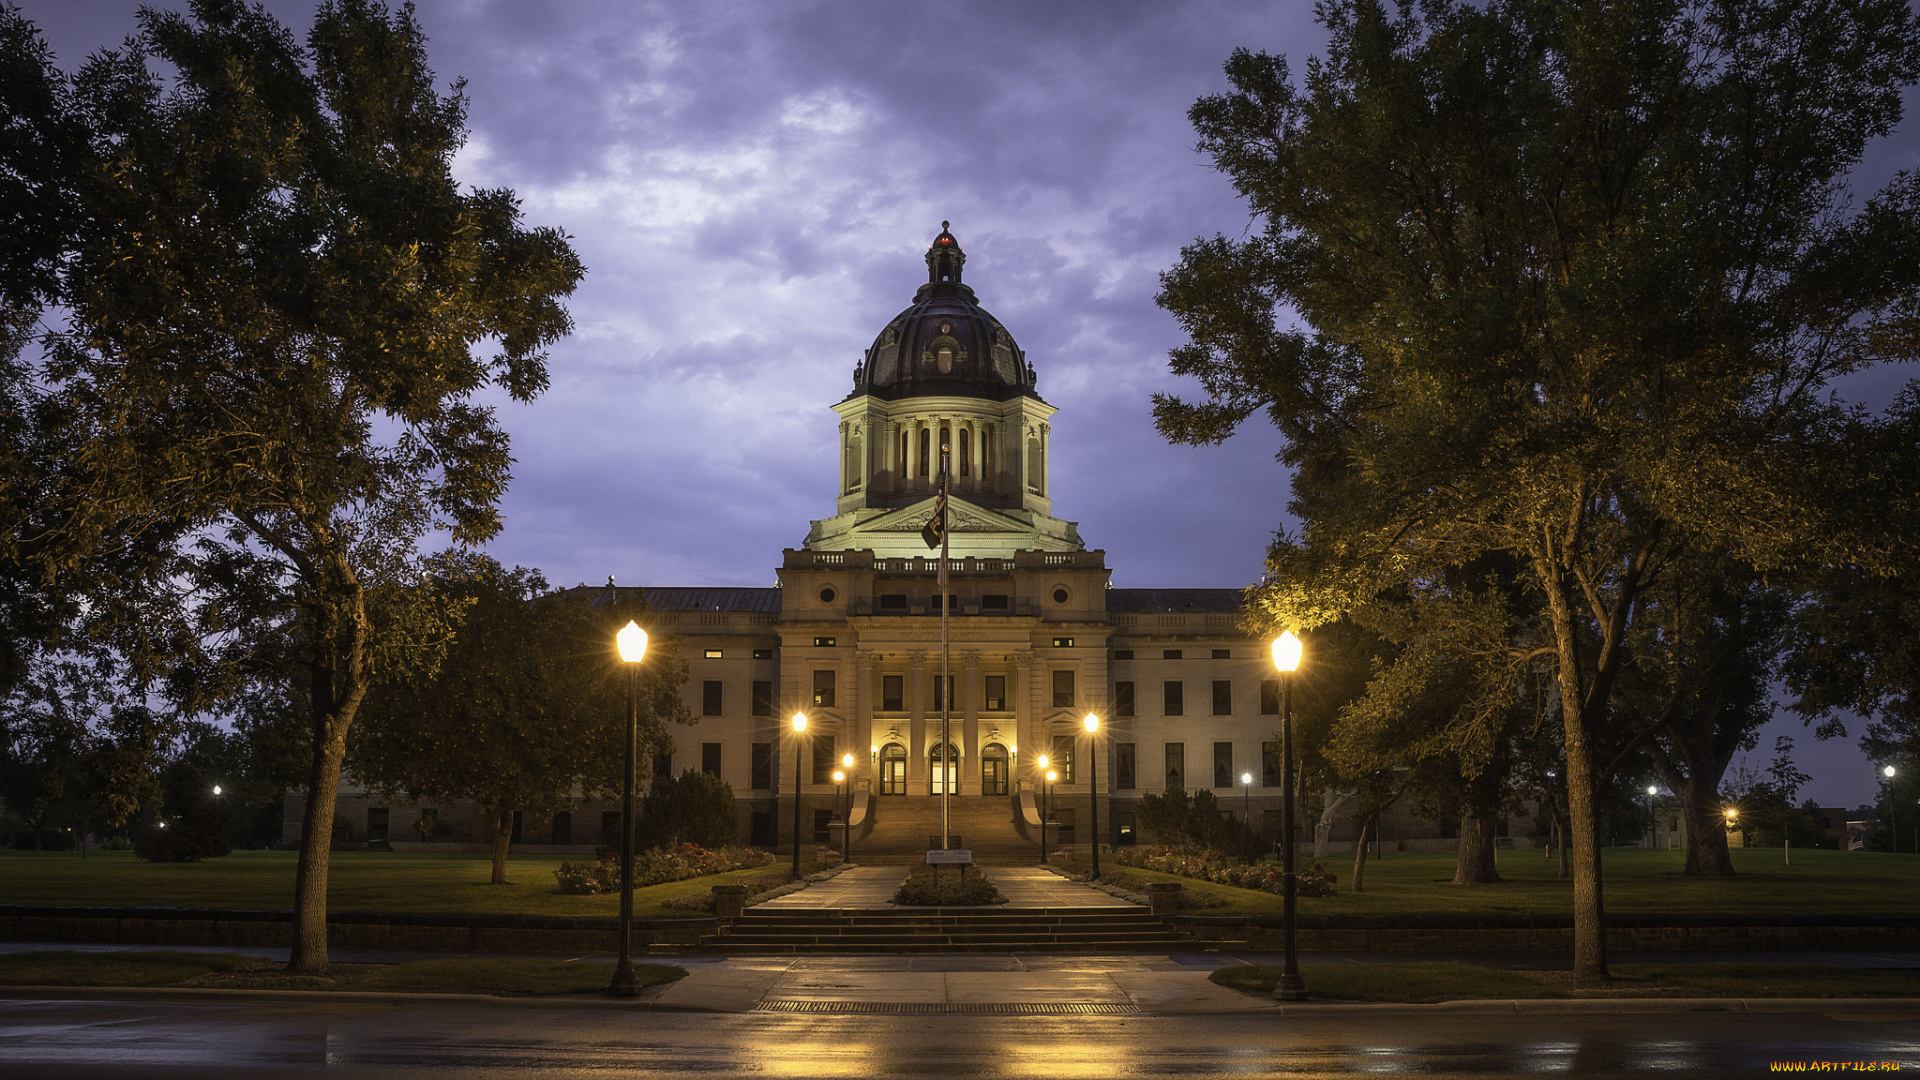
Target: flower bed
{"type": "Point", "coordinates": [924, 887]}
{"type": "Point", "coordinates": [1313, 880]}
{"type": "Point", "coordinates": [655, 867]}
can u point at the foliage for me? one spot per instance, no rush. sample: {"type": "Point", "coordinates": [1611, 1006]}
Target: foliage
{"type": "Point", "coordinates": [758, 888]}
{"type": "Point", "coordinates": [1570, 283]}
{"type": "Point", "coordinates": [928, 886]}
{"type": "Point", "coordinates": [1176, 819]}
{"type": "Point", "coordinates": [193, 824]}
{"type": "Point", "coordinates": [694, 808]}
{"type": "Point", "coordinates": [527, 707]}
{"type": "Point", "coordinates": [655, 866]}
{"type": "Point", "coordinates": [1312, 880]}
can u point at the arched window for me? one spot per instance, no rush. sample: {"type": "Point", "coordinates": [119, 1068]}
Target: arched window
{"type": "Point", "coordinates": [943, 770]}
{"type": "Point", "coordinates": [1035, 466]}
{"type": "Point", "coordinates": [893, 769]}
{"type": "Point", "coordinates": [903, 453]}
{"type": "Point", "coordinates": [855, 466]}
{"type": "Point", "coordinates": [993, 770]}
{"type": "Point", "coordinates": [926, 440]}
{"type": "Point", "coordinates": [964, 446]}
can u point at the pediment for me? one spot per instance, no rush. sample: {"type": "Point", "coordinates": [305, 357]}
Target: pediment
{"type": "Point", "coordinates": [962, 516]}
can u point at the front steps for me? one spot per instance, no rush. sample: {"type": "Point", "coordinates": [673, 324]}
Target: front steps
{"type": "Point", "coordinates": [952, 930]}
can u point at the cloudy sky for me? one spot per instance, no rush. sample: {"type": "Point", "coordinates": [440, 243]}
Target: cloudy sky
{"type": "Point", "coordinates": [752, 186]}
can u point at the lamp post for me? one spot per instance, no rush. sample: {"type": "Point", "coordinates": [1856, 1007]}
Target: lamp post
{"type": "Point", "coordinates": [799, 728]}
{"type": "Point", "coordinates": [1653, 817]}
{"type": "Point", "coordinates": [1286, 660]}
{"type": "Point", "coordinates": [1046, 816]}
{"type": "Point", "coordinates": [1893, 811]}
{"type": "Point", "coordinates": [839, 790]}
{"type": "Point", "coordinates": [1246, 792]}
{"type": "Point", "coordinates": [1093, 786]}
{"type": "Point", "coordinates": [1040, 771]}
{"type": "Point", "coordinates": [846, 845]}
{"type": "Point", "coordinates": [1733, 818]}
{"type": "Point", "coordinates": [632, 643]}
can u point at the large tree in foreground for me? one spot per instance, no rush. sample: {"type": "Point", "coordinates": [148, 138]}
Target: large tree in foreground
{"type": "Point", "coordinates": [283, 306]}
{"type": "Point", "coordinates": [1573, 280]}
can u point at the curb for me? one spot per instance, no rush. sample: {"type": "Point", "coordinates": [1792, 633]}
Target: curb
{"type": "Point", "coordinates": [213, 995]}
{"type": "Point", "coordinates": [1616, 1006]}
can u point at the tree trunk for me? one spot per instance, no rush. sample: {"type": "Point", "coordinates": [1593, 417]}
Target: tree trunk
{"type": "Point", "coordinates": [1475, 864]}
{"type": "Point", "coordinates": [1706, 830]}
{"type": "Point", "coordinates": [310, 879]}
{"type": "Point", "coordinates": [1330, 802]}
{"type": "Point", "coordinates": [502, 836]}
{"type": "Point", "coordinates": [1360, 858]}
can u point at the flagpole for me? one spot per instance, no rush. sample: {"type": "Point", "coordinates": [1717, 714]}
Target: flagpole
{"type": "Point", "coordinates": [946, 681]}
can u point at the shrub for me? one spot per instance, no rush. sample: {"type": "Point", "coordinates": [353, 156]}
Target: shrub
{"type": "Point", "coordinates": [1314, 880]}
{"type": "Point", "coordinates": [655, 866]}
{"type": "Point", "coordinates": [693, 808]}
{"type": "Point", "coordinates": [948, 888]}
{"type": "Point", "coordinates": [1177, 820]}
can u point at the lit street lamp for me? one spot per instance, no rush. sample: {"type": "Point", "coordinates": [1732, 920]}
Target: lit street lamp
{"type": "Point", "coordinates": [632, 643]}
{"type": "Point", "coordinates": [1653, 817]}
{"type": "Point", "coordinates": [1046, 816]}
{"type": "Point", "coordinates": [1286, 660]}
{"type": "Point", "coordinates": [846, 840]}
{"type": "Point", "coordinates": [1093, 786]}
{"type": "Point", "coordinates": [839, 789]}
{"type": "Point", "coordinates": [799, 727]}
{"type": "Point", "coordinates": [1246, 791]}
{"type": "Point", "coordinates": [1893, 812]}
{"type": "Point", "coordinates": [1040, 767]}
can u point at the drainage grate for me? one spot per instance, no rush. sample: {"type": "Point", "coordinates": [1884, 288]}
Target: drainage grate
{"type": "Point", "coordinates": [998, 1008]}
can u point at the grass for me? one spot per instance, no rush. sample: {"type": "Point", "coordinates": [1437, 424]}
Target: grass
{"type": "Point", "coordinates": [1452, 981]}
{"type": "Point", "coordinates": [1638, 882]}
{"type": "Point", "coordinates": [357, 881]}
{"type": "Point", "coordinates": [453, 976]}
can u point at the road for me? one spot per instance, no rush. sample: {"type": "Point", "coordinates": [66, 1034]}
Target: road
{"type": "Point", "coordinates": [100, 1039]}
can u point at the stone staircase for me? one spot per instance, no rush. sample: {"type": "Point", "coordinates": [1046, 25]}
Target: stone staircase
{"type": "Point", "coordinates": [903, 827]}
{"type": "Point", "coordinates": [952, 930]}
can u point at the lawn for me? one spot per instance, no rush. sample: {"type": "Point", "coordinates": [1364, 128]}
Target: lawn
{"type": "Point", "coordinates": [1453, 981]}
{"type": "Point", "coordinates": [357, 881]}
{"type": "Point", "coordinates": [1638, 882]}
{"type": "Point", "coordinates": [464, 975]}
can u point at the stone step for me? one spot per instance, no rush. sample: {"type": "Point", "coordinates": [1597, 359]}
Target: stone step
{"type": "Point", "coordinates": [921, 947]}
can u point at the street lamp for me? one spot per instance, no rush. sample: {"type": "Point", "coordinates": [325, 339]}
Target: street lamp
{"type": "Point", "coordinates": [1040, 767]}
{"type": "Point", "coordinates": [839, 780]}
{"type": "Point", "coordinates": [799, 727]}
{"type": "Point", "coordinates": [1286, 660]}
{"type": "Point", "coordinates": [1093, 786]}
{"type": "Point", "coordinates": [1047, 816]}
{"type": "Point", "coordinates": [846, 840]}
{"type": "Point", "coordinates": [632, 643]}
{"type": "Point", "coordinates": [216, 787]}
{"type": "Point", "coordinates": [1653, 817]}
{"type": "Point", "coordinates": [1246, 791]}
{"type": "Point", "coordinates": [1893, 812]}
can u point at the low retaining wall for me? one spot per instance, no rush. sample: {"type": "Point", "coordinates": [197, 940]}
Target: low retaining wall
{"type": "Point", "coordinates": [345, 929]}
{"type": "Point", "coordinates": [1466, 933]}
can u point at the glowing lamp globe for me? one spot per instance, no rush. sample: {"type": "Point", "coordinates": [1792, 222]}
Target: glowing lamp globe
{"type": "Point", "coordinates": [799, 721]}
{"type": "Point", "coordinates": [633, 642]}
{"type": "Point", "coordinates": [1286, 652]}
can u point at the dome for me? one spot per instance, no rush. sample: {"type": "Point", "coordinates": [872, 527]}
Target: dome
{"type": "Point", "coordinates": [945, 343]}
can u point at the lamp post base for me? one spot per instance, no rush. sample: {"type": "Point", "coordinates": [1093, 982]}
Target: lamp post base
{"type": "Point", "coordinates": [623, 985]}
{"type": "Point", "coordinates": [1290, 988]}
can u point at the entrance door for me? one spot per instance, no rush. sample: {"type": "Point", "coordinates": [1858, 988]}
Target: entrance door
{"type": "Point", "coordinates": [993, 769]}
{"type": "Point", "coordinates": [943, 770]}
{"type": "Point", "coordinates": [893, 769]}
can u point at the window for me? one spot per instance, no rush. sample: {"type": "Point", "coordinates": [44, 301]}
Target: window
{"type": "Point", "coordinates": [763, 697]}
{"type": "Point", "coordinates": [965, 443]}
{"type": "Point", "coordinates": [893, 769]}
{"type": "Point", "coordinates": [1176, 766]}
{"type": "Point", "coordinates": [993, 602]}
{"type": "Point", "coordinates": [1222, 697]}
{"type": "Point", "coordinates": [1063, 689]}
{"type": "Point", "coordinates": [903, 453]}
{"type": "Point", "coordinates": [827, 594]}
{"type": "Point", "coordinates": [1123, 698]}
{"type": "Point", "coordinates": [893, 601]}
{"type": "Point", "coordinates": [823, 689]}
{"type": "Point", "coordinates": [716, 654]}
{"type": "Point", "coordinates": [1062, 759]}
{"type": "Point", "coordinates": [938, 700]}
{"type": "Point", "coordinates": [823, 826]}
{"type": "Point", "coordinates": [760, 828]}
{"type": "Point", "coordinates": [1123, 654]}
{"type": "Point", "coordinates": [710, 698]}
{"type": "Point", "coordinates": [610, 828]}
{"type": "Point", "coordinates": [1060, 595]}
{"type": "Point", "coordinates": [823, 643]}
{"type": "Point", "coordinates": [662, 766]}
{"type": "Point", "coordinates": [1175, 697]}
{"type": "Point", "coordinates": [1170, 654]}
{"type": "Point", "coordinates": [1223, 765]}
{"type": "Point", "coordinates": [1063, 643]}
{"type": "Point", "coordinates": [1123, 824]}
{"type": "Point", "coordinates": [763, 766]}
{"type": "Point", "coordinates": [376, 825]}
{"type": "Point", "coordinates": [710, 758]}
{"type": "Point", "coordinates": [563, 827]}
{"type": "Point", "coordinates": [1269, 764]}
{"type": "Point", "coordinates": [933, 602]}
{"type": "Point", "coordinates": [1223, 654]}
{"type": "Point", "coordinates": [993, 769]}
{"type": "Point", "coordinates": [823, 759]}
{"type": "Point", "coordinates": [1124, 762]}
{"type": "Point", "coordinates": [1063, 821]}
{"type": "Point", "coordinates": [996, 694]}
{"type": "Point", "coordinates": [926, 443]}
{"type": "Point", "coordinates": [893, 693]}
{"type": "Point", "coordinates": [763, 654]}
{"type": "Point", "coordinates": [943, 770]}
{"type": "Point", "coordinates": [1269, 697]}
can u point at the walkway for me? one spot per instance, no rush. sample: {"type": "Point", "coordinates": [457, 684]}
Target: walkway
{"type": "Point", "coordinates": [871, 888]}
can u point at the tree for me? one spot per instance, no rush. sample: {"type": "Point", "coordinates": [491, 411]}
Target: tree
{"type": "Point", "coordinates": [694, 808]}
{"type": "Point", "coordinates": [528, 705]}
{"type": "Point", "coordinates": [1570, 281]}
{"type": "Point", "coordinates": [282, 308]}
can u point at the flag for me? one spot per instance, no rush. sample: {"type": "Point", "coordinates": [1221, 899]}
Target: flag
{"type": "Point", "coordinates": [936, 529]}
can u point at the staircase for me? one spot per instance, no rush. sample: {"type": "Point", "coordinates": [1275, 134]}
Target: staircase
{"type": "Point", "coordinates": [951, 930]}
{"type": "Point", "coordinates": [902, 827]}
